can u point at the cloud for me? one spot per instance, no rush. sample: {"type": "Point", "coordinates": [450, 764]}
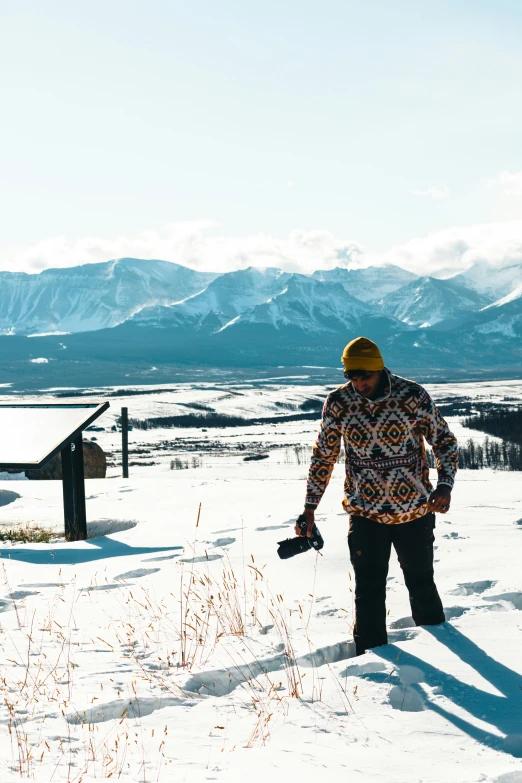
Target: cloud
{"type": "Point", "coordinates": [436, 193]}
{"type": "Point", "coordinates": [195, 244]}
{"type": "Point", "coordinates": [176, 239]}
{"type": "Point", "coordinates": [198, 244]}
{"type": "Point", "coordinates": [511, 183]}
{"type": "Point", "coordinates": [453, 250]}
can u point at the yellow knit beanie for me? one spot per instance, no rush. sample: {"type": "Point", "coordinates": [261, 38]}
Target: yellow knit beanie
{"type": "Point", "coordinates": [362, 354]}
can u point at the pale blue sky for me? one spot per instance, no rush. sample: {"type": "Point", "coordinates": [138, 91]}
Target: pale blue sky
{"type": "Point", "coordinates": [269, 116]}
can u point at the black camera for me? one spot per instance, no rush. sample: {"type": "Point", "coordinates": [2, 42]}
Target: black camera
{"type": "Point", "coordinates": [294, 546]}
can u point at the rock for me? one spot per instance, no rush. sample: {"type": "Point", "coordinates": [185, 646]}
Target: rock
{"type": "Point", "coordinates": [94, 461]}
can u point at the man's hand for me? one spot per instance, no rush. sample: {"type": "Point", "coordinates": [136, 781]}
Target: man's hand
{"type": "Point", "coordinates": [440, 499]}
{"type": "Point", "coordinates": [309, 515]}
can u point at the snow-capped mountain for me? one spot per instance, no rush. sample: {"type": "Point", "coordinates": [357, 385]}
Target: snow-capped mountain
{"type": "Point", "coordinates": [223, 299]}
{"type": "Point", "coordinates": [308, 323]}
{"type": "Point", "coordinates": [427, 301]}
{"type": "Point", "coordinates": [369, 284]}
{"type": "Point", "coordinates": [492, 281]}
{"type": "Point", "coordinates": [265, 297]}
{"type": "Point", "coordinates": [502, 318]}
{"type": "Point", "coordinates": [308, 304]}
{"type": "Point", "coordinates": [92, 296]}
{"type": "Point", "coordinates": [516, 294]}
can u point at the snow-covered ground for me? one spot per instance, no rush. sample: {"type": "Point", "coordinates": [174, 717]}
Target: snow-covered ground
{"type": "Point", "coordinates": [176, 646]}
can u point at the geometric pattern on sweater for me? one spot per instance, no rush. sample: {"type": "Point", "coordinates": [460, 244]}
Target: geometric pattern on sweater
{"type": "Point", "coordinates": [387, 472]}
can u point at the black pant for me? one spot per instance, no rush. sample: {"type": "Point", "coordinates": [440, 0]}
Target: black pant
{"type": "Point", "coordinates": [370, 548]}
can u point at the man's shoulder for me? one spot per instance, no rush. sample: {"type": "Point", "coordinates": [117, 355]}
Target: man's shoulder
{"type": "Point", "coordinates": [338, 399]}
{"type": "Point", "coordinates": [407, 386]}
{"type": "Point", "coordinates": [343, 392]}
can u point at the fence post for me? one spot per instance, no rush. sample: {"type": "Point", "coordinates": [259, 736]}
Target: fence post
{"type": "Point", "coordinates": [125, 442]}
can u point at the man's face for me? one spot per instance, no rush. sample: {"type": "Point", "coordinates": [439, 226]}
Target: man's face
{"type": "Point", "coordinates": [364, 382]}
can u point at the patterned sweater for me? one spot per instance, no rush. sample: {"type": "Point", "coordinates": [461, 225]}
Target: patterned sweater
{"type": "Point", "coordinates": [387, 473]}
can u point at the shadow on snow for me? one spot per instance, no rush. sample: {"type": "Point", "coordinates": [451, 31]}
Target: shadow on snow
{"type": "Point", "coordinates": [79, 552]}
{"type": "Point", "coordinates": [501, 711]}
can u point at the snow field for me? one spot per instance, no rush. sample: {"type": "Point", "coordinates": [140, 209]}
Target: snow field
{"type": "Point", "coordinates": [93, 635]}
{"type": "Point", "coordinates": [176, 646]}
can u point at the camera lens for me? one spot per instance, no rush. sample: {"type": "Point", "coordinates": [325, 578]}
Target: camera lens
{"type": "Point", "coordinates": [293, 546]}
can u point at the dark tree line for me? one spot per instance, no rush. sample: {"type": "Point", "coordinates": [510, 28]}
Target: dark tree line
{"type": "Point", "coordinates": [221, 420]}
{"type": "Point", "coordinates": [501, 456]}
{"type": "Point", "coordinates": [474, 456]}
{"type": "Point", "coordinates": [505, 423]}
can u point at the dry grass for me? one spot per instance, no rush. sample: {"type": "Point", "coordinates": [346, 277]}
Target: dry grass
{"type": "Point", "coordinates": [216, 613]}
{"type": "Point", "coordinates": [29, 535]}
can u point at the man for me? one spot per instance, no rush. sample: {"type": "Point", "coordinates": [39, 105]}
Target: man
{"type": "Point", "coordinates": [383, 420]}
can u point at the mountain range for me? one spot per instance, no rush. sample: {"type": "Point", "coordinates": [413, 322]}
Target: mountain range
{"type": "Point", "coordinates": [131, 318]}
{"type": "Point", "coordinates": [92, 296]}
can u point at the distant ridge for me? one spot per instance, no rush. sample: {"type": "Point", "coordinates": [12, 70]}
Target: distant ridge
{"type": "Point", "coordinates": [134, 318]}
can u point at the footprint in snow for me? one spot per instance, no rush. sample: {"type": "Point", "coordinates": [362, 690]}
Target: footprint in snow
{"type": "Point", "coordinates": [221, 682]}
{"type": "Point", "coordinates": [19, 595]}
{"type": "Point", "coordinates": [223, 542]}
{"type": "Point", "coordinates": [406, 699]}
{"type": "Point", "coordinates": [270, 527]}
{"type": "Point", "coordinates": [514, 598]}
{"type": "Point", "coordinates": [121, 710]}
{"type": "Point", "coordinates": [92, 588]}
{"type": "Point", "coordinates": [453, 535]}
{"type": "Point", "coordinates": [374, 667]}
{"type": "Point", "coordinates": [137, 573]}
{"type": "Point", "coordinates": [451, 613]}
{"type": "Point", "coordinates": [472, 588]}
{"type": "Point", "coordinates": [333, 653]}
{"type": "Point", "coordinates": [201, 559]}
{"type": "Point", "coordinates": [157, 559]}
{"type": "Point", "coordinates": [357, 669]}
{"type": "Point", "coordinates": [509, 777]}
{"type": "Point", "coordinates": [327, 613]}
{"type": "Point", "coordinates": [45, 584]}
{"type": "Point", "coordinates": [403, 635]}
{"type": "Point", "coordinates": [403, 622]}
{"type": "Point", "coordinates": [410, 674]}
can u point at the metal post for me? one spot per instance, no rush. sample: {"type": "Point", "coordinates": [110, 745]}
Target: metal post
{"type": "Point", "coordinates": [68, 492]}
{"type": "Point", "coordinates": [75, 516]}
{"type": "Point", "coordinates": [80, 513]}
{"type": "Point", "coordinates": [125, 442]}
